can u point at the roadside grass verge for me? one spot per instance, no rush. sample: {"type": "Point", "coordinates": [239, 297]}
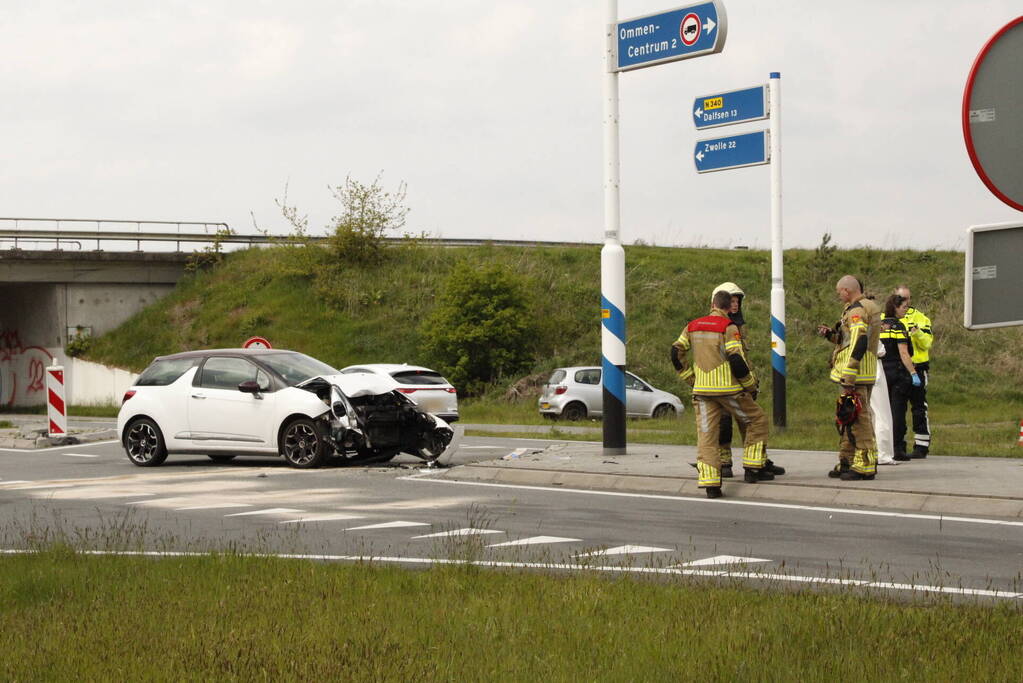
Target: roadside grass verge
{"type": "Point", "coordinates": [68, 616]}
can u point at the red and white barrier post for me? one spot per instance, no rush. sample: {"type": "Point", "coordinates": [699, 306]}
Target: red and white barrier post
{"type": "Point", "coordinates": [1020, 442]}
{"type": "Point", "coordinates": [56, 407]}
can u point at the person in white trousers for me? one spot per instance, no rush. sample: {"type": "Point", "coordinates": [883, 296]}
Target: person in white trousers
{"type": "Point", "coordinates": [882, 412]}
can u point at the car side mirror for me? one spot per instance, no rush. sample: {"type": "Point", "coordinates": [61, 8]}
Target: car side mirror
{"type": "Point", "coordinates": [250, 386]}
{"type": "Point", "coordinates": [338, 409]}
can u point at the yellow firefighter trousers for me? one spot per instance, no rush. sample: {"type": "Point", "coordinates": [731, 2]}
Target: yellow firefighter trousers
{"type": "Point", "coordinates": [857, 447]}
{"type": "Point", "coordinates": [752, 421]}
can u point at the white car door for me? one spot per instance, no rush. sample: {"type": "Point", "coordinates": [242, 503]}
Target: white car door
{"type": "Point", "coordinates": [639, 397]}
{"type": "Point", "coordinates": [589, 389]}
{"type": "Point", "coordinates": [220, 416]}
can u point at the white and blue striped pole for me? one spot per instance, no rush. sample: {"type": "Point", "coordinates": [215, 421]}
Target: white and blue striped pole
{"type": "Point", "coordinates": [612, 260]}
{"type": "Point", "coordinates": [778, 370]}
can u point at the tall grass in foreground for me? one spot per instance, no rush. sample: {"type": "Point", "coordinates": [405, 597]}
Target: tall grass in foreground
{"type": "Point", "coordinates": [67, 616]}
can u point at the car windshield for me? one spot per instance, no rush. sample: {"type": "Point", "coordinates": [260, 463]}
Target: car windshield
{"type": "Point", "coordinates": [295, 367]}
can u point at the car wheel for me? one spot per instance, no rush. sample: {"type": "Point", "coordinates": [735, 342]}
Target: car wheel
{"type": "Point", "coordinates": [143, 442]}
{"type": "Point", "coordinates": [664, 410]}
{"type": "Point", "coordinates": [574, 412]}
{"type": "Point", "coordinates": [432, 445]}
{"type": "Point", "coordinates": [303, 444]}
{"type": "Point", "coordinates": [220, 458]}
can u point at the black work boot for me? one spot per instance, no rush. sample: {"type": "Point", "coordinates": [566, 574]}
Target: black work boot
{"type": "Point", "coordinates": [726, 471]}
{"type": "Point", "coordinates": [901, 456]}
{"type": "Point", "coordinates": [752, 476]}
{"type": "Point", "coordinates": [713, 491]}
{"type": "Point", "coordinates": [853, 475]}
{"type": "Point", "coordinates": [769, 466]}
{"type": "Point", "coordinates": [919, 452]}
{"type": "Point", "coordinates": [839, 470]}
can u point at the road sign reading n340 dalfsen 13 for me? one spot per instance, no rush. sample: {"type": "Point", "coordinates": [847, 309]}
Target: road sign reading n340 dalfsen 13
{"type": "Point", "coordinates": [734, 106]}
{"type": "Point", "coordinates": [734, 151]}
{"type": "Point", "coordinates": [681, 33]}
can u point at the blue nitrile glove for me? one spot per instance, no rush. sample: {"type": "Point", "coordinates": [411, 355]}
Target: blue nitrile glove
{"type": "Point", "coordinates": [916, 380]}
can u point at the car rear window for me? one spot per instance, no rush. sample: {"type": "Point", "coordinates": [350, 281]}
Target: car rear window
{"type": "Point", "coordinates": [426, 377]}
{"type": "Point", "coordinates": [556, 377]}
{"type": "Point", "coordinates": [164, 372]}
{"type": "Point", "coordinates": [589, 376]}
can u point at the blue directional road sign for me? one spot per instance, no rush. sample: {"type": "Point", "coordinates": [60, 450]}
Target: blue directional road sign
{"type": "Point", "coordinates": [690, 31]}
{"type": "Point", "coordinates": [734, 151]}
{"type": "Point", "coordinates": [735, 106]}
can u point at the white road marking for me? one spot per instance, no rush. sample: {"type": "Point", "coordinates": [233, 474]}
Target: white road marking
{"type": "Point", "coordinates": [32, 451]}
{"type": "Point", "coordinates": [493, 564]}
{"type": "Point", "coordinates": [322, 518]}
{"type": "Point", "coordinates": [15, 481]}
{"type": "Point", "coordinates": [215, 506]}
{"type": "Point", "coordinates": [476, 448]}
{"type": "Point", "coordinates": [386, 525]}
{"type": "Point", "coordinates": [624, 550]}
{"type": "Point", "coordinates": [125, 494]}
{"type": "Point", "coordinates": [157, 501]}
{"type": "Point", "coordinates": [37, 486]}
{"type": "Point", "coordinates": [79, 455]}
{"type": "Point", "coordinates": [269, 511]}
{"type": "Point", "coordinates": [726, 501]}
{"type": "Point", "coordinates": [534, 540]}
{"type": "Point", "coordinates": [460, 532]}
{"type": "Point", "coordinates": [721, 559]}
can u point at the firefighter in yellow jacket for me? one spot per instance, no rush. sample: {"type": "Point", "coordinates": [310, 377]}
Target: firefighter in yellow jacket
{"type": "Point", "coordinates": [709, 356]}
{"type": "Point", "coordinates": [854, 368]}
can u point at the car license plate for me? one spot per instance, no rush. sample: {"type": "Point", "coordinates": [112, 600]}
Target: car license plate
{"type": "Point", "coordinates": [431, 405]}
{"type": "Point", "coordinates": [545, 406]}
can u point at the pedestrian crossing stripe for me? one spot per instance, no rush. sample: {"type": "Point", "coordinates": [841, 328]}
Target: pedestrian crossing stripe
{"type": "Point", "coordinates": [721, 559]}
{"type": "Point", "coordinates": [387, 525]}
{"type": "Point", "coordinates": [269, 511]}
{"type": "Point", "coordinates": [625, 550]}
{"type": "Point", "coordinates": [321, 518]}
{"type": "Point", "coordinates": [460, 532]}
{"type": "Point", "coordinates": [215, 506]}
{"type": "Point", "coordinates": [535, 540]}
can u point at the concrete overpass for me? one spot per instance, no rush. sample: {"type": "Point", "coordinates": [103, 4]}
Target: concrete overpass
{"type": "Point", "coordinates": [56, 289]}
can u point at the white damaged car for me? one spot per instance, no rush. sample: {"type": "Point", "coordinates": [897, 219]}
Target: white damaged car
{"type": "Point", "coordinates": [223, 403]}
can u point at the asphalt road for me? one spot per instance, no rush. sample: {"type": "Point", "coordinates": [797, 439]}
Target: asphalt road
{"type": "Point", "coordinates": [404, 513]}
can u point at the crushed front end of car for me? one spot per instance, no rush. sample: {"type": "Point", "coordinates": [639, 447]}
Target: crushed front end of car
{"type": "Point", "coordinates": [371, 422]}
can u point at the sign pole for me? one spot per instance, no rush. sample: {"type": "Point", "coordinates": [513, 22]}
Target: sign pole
{"type": "Point", "coordinates": [777, 267]}
{"type": "Point", "coordinates": [612, 259]}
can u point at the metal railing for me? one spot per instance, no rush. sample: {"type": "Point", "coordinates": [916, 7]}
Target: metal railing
{"type": "Point", "coordinates": [221, 234]}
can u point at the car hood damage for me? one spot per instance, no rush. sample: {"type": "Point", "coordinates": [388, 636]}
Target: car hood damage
{"type": "Point", "coordinates": [370, 421]}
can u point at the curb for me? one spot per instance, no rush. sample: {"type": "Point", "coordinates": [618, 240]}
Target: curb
{"type": "Point", "coordinates": [801, 494]}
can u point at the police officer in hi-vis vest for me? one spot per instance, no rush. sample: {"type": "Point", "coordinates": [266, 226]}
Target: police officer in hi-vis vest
{"type": "Point", "coordinates": [854, 368]}
{"type": "Point", "coordinates": [919, 327]}
{"type": "Point", "coordinates": [709, 356]}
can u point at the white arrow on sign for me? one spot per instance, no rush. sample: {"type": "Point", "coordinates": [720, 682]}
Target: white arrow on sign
{"type": "Point", "coordinates": [699, 155]}
{"type": "Point", "coordinates": [709, 26]}
{"type": "Point", "coordinates": [722, 559]}
{"type": "Point", "coordinates": [698, 113]}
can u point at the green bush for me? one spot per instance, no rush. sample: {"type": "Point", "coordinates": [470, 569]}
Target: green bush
{"type": "Point", "coordinates": [481, 328]}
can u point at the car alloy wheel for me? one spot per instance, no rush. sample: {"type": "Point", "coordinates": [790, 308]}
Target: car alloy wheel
{"type": "Point", "coordinates": [143, 443]}
{"type": "Point", "coordinates": [302, 444]}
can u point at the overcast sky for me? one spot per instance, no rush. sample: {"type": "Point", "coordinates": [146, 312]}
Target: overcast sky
{"type": "Point", "coordinates": [491, 112]}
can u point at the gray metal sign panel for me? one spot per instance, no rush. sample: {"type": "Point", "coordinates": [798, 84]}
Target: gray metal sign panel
{"type": "Point", "coordinates": [993, 114]}
{"type": "Point", "coordinates": [994, 276]}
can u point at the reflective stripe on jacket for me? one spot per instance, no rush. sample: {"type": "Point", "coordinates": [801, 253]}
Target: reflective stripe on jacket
{"type": "Point", "coordinates": [705, 345]}
{"type": "Point", "coordinates": [860, 320]}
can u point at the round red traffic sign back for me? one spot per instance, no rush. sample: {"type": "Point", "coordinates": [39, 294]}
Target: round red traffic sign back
{"type": "Point", "coordinates": [689, 29]}
{"type": "Point", "coordinates": [993, 114]}
{"type": "Point", "coordinates": [256, 343]}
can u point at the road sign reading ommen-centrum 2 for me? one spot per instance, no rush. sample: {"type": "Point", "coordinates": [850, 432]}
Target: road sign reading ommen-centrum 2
{"type": "Point", "coordinates": [735, 106]}
{"type": "Point", "coordinates": [734, 151]}
{"type": "Point", "coordinates": [681, 33]}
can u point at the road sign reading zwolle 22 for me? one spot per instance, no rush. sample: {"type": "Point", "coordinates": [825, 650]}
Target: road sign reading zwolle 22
{"type": "Point", "coordinates": [681, 33]}
{"type": "Point", "coordinates": [734, 151]}
{"type": "Point", "coordinates": [734, 106]}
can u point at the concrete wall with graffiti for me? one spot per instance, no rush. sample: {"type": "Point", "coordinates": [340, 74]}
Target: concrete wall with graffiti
{"type": "Point", "coordinates": [22, 371]}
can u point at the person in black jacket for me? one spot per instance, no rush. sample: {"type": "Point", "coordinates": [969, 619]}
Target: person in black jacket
{"type": "Point", "coordinates": [899, 371]}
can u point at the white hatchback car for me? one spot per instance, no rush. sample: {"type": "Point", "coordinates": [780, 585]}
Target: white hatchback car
{"type": "Point", "coordinates": [228, 402]}
{"type": "Point", "coordinates": [426, 387]}
{"type": "Point", "coordinates": [576, 393]}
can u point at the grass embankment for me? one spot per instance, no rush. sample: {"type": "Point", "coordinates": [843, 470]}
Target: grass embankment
{"type": "Point", "coordinates": [301, 299]}
{"type": "Point", "coordinates": [65, 616]}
